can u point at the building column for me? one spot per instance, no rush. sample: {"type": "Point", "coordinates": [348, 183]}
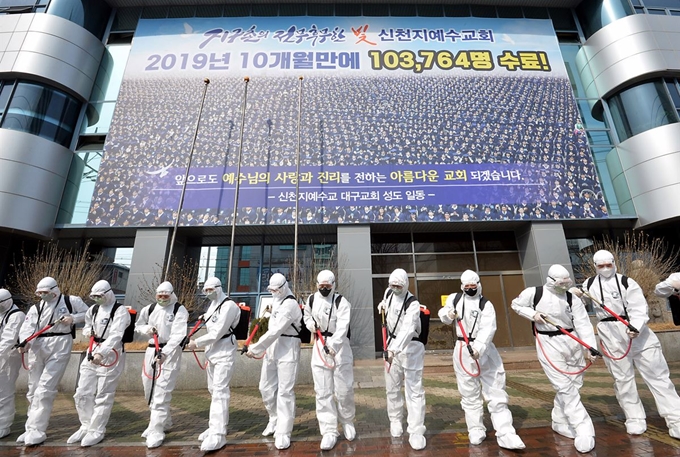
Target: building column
{"type": "Point", "coordinates": [355, 283]}
{"type": "Point", "coordinates": [147, 265]}
{"type": "Point", "coordinates": [542, 245]}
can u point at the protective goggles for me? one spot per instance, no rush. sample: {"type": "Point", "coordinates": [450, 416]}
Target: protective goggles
{"type": "Point", "coordinates": [396, 286]}
{"type": "Point", "coordinates": [562, 282]}
{"type": "Point", "coordinates": [42, 292]}
{"type": "Point", "coordinates": [604, 265]}
{"type": "Point", "coordinates": [163, 296]}
{"type": "Point", "coordinates": [470, 287]}
{"type": "Point", "coordinates": [325, 287]}
{"type": "Point", "coordinates": [99, 294]}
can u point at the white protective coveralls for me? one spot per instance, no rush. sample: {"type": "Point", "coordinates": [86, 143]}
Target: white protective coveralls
{"type": "Point", "coordinates": [480, 327]}
{"type": "Point", "coordinates": [670, 286]}
{"type": "Point", "coordinates": [49, 354]}
{"type": "Point", "coordinates": [407, 354]}
{"type": "Point", "coordinates": [645, 351]}
{"type": "Point", "coordinates": [97, 384]}
{"type": "Point", "coordinates": [280, 363]}
{"type": "Point", "coordinates": [11, 319]}
{"type": "Point", "coordinates": [220, 345]}
{"type": "Point", "coordinates": [670, 289]}
{"type": "Point", "coordinates": [171, 328]}
{"type": "Point", "coordinates": [333, 373]}
{"type": "Point", "coordinates": [569, 416]}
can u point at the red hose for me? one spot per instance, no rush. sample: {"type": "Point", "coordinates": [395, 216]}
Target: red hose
{"type": "Point", "coordinates": [318, 351]}
{"type": "Point", "coordinates": [609, 356]}
{"type": "Point", "coordinates": [467, 343]}
{"type": "Point", "coordinates": [540, 345]}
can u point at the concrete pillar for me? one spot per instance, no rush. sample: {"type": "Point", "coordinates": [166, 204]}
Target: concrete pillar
{"type": "Point", "coordinates": [355, 283]}
{"type": "Point", "coordinates": [147, 265]}
{"type": "Point", "coordinates": [542, 245]}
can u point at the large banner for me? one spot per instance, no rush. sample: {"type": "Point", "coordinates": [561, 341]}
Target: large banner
{"type": "Point", "coordinates": [355, 119]}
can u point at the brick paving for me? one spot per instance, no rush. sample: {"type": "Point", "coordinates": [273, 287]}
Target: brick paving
{"type": "Point", "coordinates": [530, 402]}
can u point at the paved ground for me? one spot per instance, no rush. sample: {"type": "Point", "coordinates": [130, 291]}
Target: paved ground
{"type": "Point", "coordinates": [530, 396]}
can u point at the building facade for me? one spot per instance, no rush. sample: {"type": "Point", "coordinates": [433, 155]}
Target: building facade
{"type": "Point", "coordinates": [499, 138]}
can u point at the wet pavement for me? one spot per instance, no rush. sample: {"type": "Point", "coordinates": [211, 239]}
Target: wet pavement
{"type": "Point", "coordinates": [531, 399]}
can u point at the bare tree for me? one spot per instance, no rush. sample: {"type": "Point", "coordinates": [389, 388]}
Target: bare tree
{"type": "Point", "coordinates": [645, 259]}
{"type": "Point", "coordinates": [76, 270]}
{"type": "Point", "coordinates": [184, 280]}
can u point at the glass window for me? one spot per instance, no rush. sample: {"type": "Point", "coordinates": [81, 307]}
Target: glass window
{"type": "Point", "coordinates": [535, 13]}
{"type": "Point", "coordinates": [586, 116]}
{"type": "Point", "coordinates": [483, 10]}
{"type": "Point", "coordinates": [402, 10]}
{"type": "Point", "coordinates": [386, 264]}
{"type": "Point", "coordinates": [456, 10]}
{"type": "Point", "coordinates": [656, 12]}
{"type": "Point", "coordinates": [5, 91]}
{"type": "Point", "coordinates": [92, 15]}
{"type": "Point", "coordinates": [209, 11]}
{"type": "Point", "coordinates": [292, 9]}
{"type": "Point", "coordinates": [91, 156]}
{"type": "Point", "coordinates": [510, 11]}
{"type": "Point", "coordinates": [596, 14]}
{"type": "Point", "coordinates": [503, 261]}
{"type": "Point", "coordinates": [126, 19]}
{"type": "Point", "coordinates": [181, 11]}
{"type": "Point", "coordinates": [320, 9]}
{"type": "Point", "coordinates": [430, 10]}
{"type": "Point", "coordinates": [376, 9]}
{"type": "Point", "coordinates": [391, 243]}
{"type": "Point", "coordinates": [563, 19]}
{"type": "Point", "coordinates": [43, 111]}
{"type": "Point", "coordinates": [443, 242]}
{"type": "Point", "coordinates": [641, 108]}
{"type": "Point", "coordinates": [661, 3]}
{"type": "Point", "coordinates": [437, 263]}
{"type": "Point", "coordinates": [155, 12]}
{"type": "Point", "coordinates": [347, 9]}
{"type": "Point", "coordinates": [495, 241]}
{"type": "Point", "coordinates": [236, 10]}
{"type": "Point", "coordinates": [105, 92]}
{"type": "Point", "coordinates": [265, 10]}
{"type": "Point", "coordinates": [569, 52]}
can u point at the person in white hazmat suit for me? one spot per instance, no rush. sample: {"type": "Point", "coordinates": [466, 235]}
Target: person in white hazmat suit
{"type": "Point", "coordinates": [670, 289]}
{"type": "Point", "coordinates": [333, 371]}
{"type": "Point", "coordinates": [48, 354]}
{"type": "Point", "coordinates": [97, 384]}
{"type": "Point", "coordinates": [478, 318]}
{"type": "Point", "coordinates": [220, 345]}
{"type": "Point", "coordinates": [559, 354]}
{"type": "Point", "coordinates": [625, 297]}
{"type": "Point", "coordinates": [168, 319]}
{"type": "Point", "coordinates": [405, 358]}
{"type": "Point", "coordinates": [11, 318]}
{"type": "Point", "coordinates": [280, 364]}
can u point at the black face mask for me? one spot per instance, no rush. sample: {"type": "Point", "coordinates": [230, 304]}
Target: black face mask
{"type": "Point", "coordinates": [325, 292]}
{"type": "Point", "coordinates": [471, 292]}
